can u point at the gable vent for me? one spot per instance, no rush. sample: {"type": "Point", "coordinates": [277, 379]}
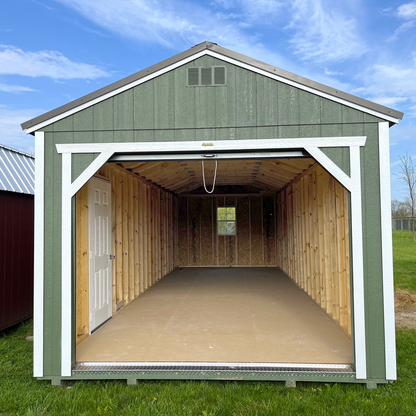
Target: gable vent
{"type": "Point", "coordinates": [211, 76]}
{"type": "Point", "coordinates": [193, 77]}
{"type": "Point", "coordinates": [219, 75]}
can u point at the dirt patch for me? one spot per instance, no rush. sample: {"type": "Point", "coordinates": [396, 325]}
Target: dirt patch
{"type": "Point", "coordinates": [405, 307]}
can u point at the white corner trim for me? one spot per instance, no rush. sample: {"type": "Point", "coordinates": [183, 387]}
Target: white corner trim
{"type": "Point", "coordinates": [186, 146]}
{"type": "Point", "coordinates": [66, 285]}
{"type": "Point", "coordinates": [387, 252]}
{"type": "Point", "coordinates": [223, 58]}
{"type": "Point", "coordinates": [358, 265]}
{"type": "Point", "coordinates": [39, 253]}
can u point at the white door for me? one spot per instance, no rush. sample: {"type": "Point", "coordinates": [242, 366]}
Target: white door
{"type": "Point", "coordinates": [100, 249]}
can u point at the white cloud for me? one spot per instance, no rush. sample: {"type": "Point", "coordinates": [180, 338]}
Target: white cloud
{"type": "Point", "coordinates": [387, 101]}
{"type": "Point", "coordinates": [398, 80]}
{"type": "Point", "coordinates": [226, 4]}
{"type": "Point", "coordinates": [323, 34]}
{"type": "Point", "coordinates": [332, 73]}
{"type": "Point", "coordinates": [259, 10]}
{"type": "Point", "coordinates": [15, 61]}
{"type": "Point", "coordinates": [14, 88]}
{"type": "Point", "coordinates": [359, 89]}
{"type": "Point", "coordinates": [402, 28]}
{"type": "Point", "coordinates": [407, 11]}
{"type": "Point", "coordinates": [176, 25]}
{"type": "Point", "coordinates": [11, 133]}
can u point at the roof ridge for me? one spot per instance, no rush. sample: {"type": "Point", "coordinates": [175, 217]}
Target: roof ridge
{"type": "Point", "coordinates": [17, 151]}
{"type": "Point", "coordinates": [336, 94]}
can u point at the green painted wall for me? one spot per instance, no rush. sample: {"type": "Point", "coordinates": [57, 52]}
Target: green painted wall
{"type": "Point", "coordinates": [249, 107]}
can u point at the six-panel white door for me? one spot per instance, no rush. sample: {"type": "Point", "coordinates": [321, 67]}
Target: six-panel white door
{"type": "Point", "coordinates": [100, 249]}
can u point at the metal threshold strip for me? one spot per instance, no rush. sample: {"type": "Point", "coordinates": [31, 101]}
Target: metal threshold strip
{"type": "Point", "coordinates": [208, 154]}
{"type": "Point", "coordinates": [123, 367]}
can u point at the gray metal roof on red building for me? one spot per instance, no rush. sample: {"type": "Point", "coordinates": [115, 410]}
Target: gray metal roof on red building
{"type": "Point", "coordinates": [17, 171]}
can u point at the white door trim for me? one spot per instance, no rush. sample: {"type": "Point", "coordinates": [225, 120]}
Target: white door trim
{"type": "Point", "coordinates": [352, 183]}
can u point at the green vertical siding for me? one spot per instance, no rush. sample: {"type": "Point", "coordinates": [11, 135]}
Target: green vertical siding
{"type": "Point", "coordinates": [249, 107]}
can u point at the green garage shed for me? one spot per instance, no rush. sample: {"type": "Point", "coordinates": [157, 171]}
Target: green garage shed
{"type": "Point", "coordinates": [214, 217]}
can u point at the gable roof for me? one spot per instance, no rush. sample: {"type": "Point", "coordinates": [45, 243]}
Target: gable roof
{"type": "Point", "coordinates": [17, 171]}
{"type": "Point", "coordinates": [227, 55]}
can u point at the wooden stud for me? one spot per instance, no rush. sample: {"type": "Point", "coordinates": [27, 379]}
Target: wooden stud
{"type": "Point", "coordinates": [347, 258]}
{"type": "Point", "coordinates": [343, 319]}
{"type": "Point", "coordinates": [321, 244]}
{"type": "Point", "coordinates": [82, 259]}
{"type": "Point", "coordinates": [125, 239]}
{"type": "Point", "coordinates": [334, 254]}
{"type": "Point", "coordinates": [149, 276]}
{"type": "Point", "coordinates": [327, 243]}
{"type": "Point", "coordinates": [136, 241]}
{"type": "Point", "coordinates": [141, 248]}
{"type": "Point", "coordinates": [119, 235]}
{"type": "Point", "coordinates": [112, 177]}
{"type": "Point", "coordinates": [130, 250]}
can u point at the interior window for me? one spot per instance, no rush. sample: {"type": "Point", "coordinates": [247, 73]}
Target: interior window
{"type": "Point", "coordinates": [226, 221]}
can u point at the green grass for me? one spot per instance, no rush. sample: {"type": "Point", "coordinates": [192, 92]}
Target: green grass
{"type": "Point", "coordinates": [404, 254]}
{"type": "Point", "coordinates": [21, 394]}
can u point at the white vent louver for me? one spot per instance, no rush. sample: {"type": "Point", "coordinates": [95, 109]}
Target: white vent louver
{"type": "Point", "coordinates": [213, 76]}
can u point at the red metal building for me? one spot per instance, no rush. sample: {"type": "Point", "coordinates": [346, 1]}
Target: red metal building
{"type": "Point", "coordinates": [16, 236]}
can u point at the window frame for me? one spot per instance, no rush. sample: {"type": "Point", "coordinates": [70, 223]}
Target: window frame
{"type": "Point", "coordinates": [212, 76]}
{"type": "Point", "coordinates": [227, 220]}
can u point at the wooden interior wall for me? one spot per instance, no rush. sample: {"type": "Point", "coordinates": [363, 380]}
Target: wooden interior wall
{"type": "Point", "coordinates": [143, 231]}
{"type": "Point", "coordinates": [313, 241]}
{"type": "Point", "coordinates": [199, 245]}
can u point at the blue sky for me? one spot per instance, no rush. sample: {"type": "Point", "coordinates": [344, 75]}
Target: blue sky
{"type": "Point", "coordinates": [52, 52]}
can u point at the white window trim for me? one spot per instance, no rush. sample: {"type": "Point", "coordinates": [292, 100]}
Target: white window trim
{"type": "Point", "coordinates": [311, 145]}
{"type": "Point", "coordinates": [223, 58]}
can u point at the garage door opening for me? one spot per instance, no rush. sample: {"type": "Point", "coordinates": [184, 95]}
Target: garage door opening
{"type": "Point", "coordinates": [258, 271]}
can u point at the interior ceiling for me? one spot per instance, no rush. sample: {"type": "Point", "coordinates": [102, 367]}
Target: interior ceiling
{"type": "Point", "coordinates": [186, 176]}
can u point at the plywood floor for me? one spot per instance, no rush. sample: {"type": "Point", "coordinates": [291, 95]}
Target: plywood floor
{"type": "Point", "coordinates": [220, 314]}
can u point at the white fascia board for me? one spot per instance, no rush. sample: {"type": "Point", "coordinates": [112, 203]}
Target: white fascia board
{"type": "Point", "coordinates": [387, 252]}
{"type": "Point", "coordinates": [38, 288]}
{"type": "Point", "coordinates": [115, 92]}
{"type": "Point", "coordinates": [301, 86]}
{"type": "Point", "coordinates": [218, 56]}
{"type": "Point", "coordinates": [211, 146]}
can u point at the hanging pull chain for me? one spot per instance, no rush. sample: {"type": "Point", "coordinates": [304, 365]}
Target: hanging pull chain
{"type": "Point", "coordinates": [215, 177]}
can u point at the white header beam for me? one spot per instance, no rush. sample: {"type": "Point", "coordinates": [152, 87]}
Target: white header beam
{"type": "Point", "coordinates": [211, 146]}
